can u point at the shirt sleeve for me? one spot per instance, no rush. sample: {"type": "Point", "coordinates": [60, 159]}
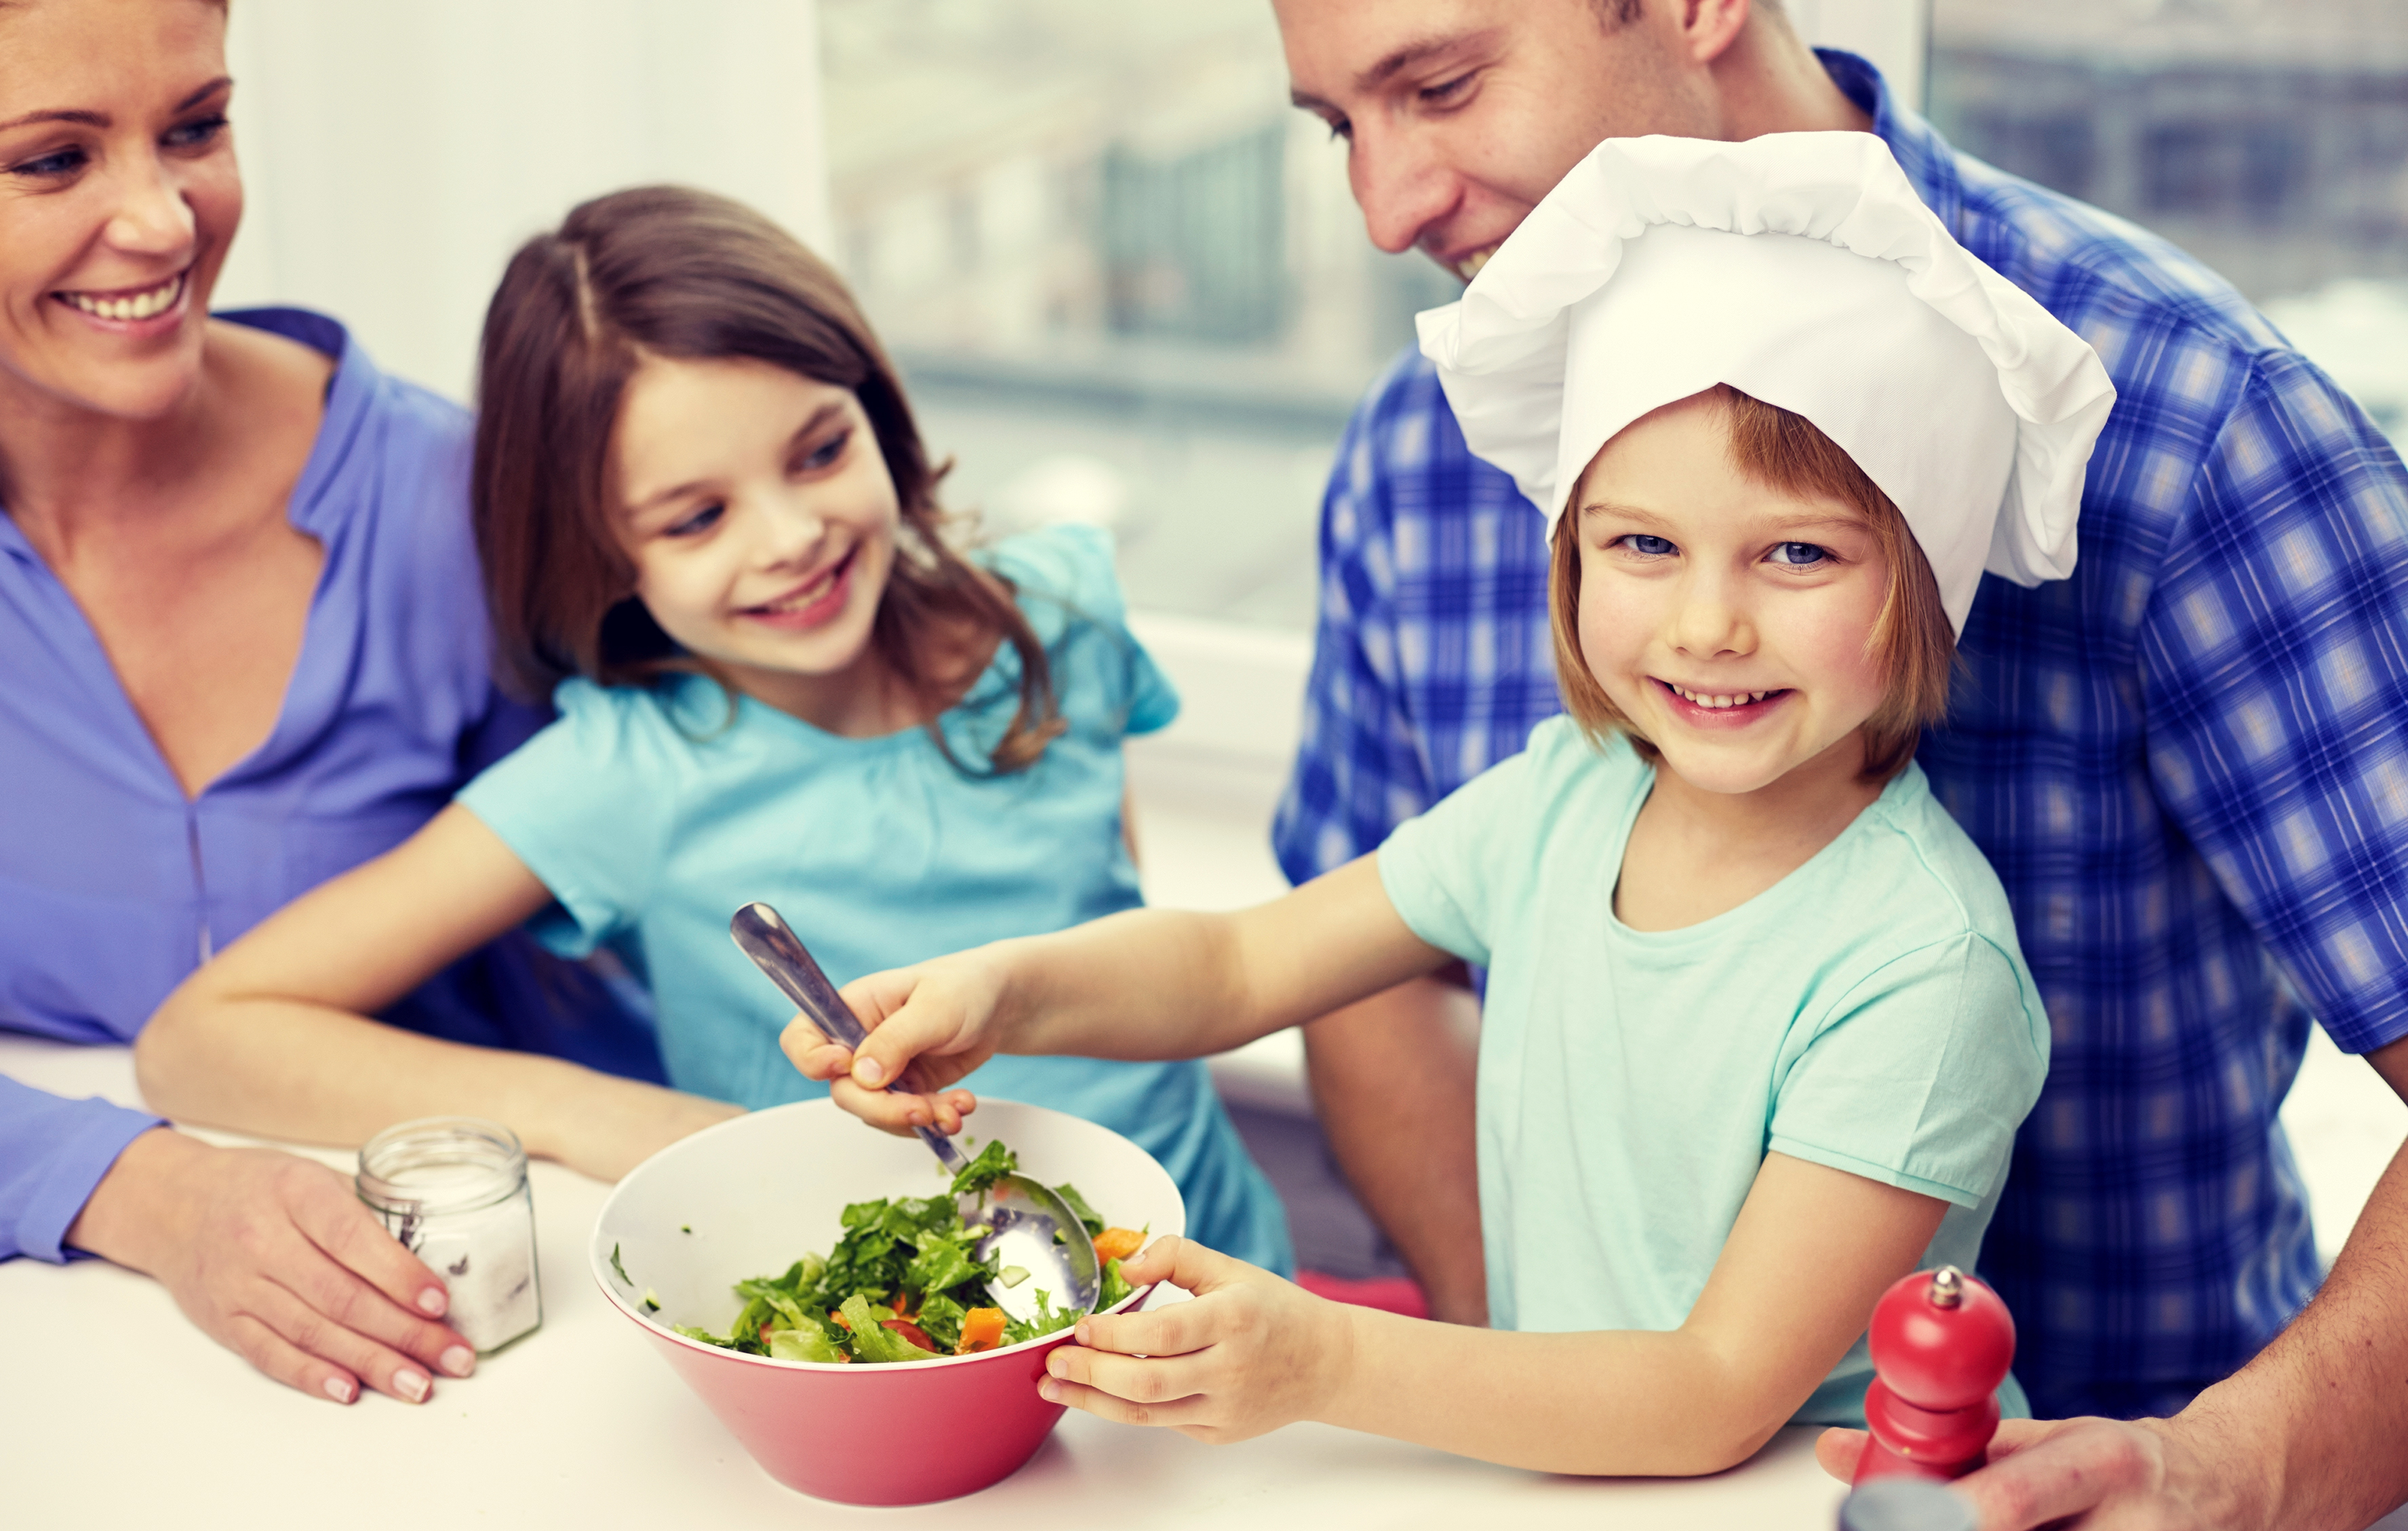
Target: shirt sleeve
{"type": "Point", "coordinates": [1359, 772]}
{"type": "Point", "coordinates": [53, 1151]}
{"type": "Point", "coordinates": [1452, 872]}
{"type": "Point", "coordinates": [506, 723]}
{"type": "Point", "coordinates": [1071, 569]}
{"type": "Point", "coordinates": [1920, 1075]}
{"type": "Point", "coordinates": [2275, 655]}
{"type": "Point", "coordinates": [584, 804]}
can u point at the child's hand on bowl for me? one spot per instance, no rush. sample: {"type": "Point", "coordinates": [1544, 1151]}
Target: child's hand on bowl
{"type": "Point", "coordinates": [929, 1025]}
{"type": "Point", "coordinates": [1251, 1353]}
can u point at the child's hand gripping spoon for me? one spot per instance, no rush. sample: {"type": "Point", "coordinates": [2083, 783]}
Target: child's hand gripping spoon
{"type": "Point", "coordinates": [1942, 1343]}
{"type": "Point", "coordinates": [1029, 1226]}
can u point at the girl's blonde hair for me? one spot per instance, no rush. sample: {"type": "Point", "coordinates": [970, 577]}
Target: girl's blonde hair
{"type": "Point", "coordinates": [672, 272]}
{"type": "Point", "coordinates": [1910, 638]}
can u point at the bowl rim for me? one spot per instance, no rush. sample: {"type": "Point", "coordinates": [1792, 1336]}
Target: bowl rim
{"type": "Point", "coordinates": [595, 1261]}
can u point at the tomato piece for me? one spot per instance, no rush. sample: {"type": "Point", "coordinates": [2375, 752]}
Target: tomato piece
{"type": "Point", "coordinates": [911, 1332]}
{"type": "Point", "coordinates": [1118, 1243]}
{"type": "Point", "coordinates": [982, 1330]}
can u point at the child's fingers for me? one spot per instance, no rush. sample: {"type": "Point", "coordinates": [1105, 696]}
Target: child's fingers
{"type": "Point", "coordinates": [1182, 1263]}
{"type": "Point", "coordinates": [880, 994]}
{"type": "Point", "coordinates": [1139, 1380]}
{"type": "Point", "coordinates": [1179, 1329]}
{"type": "Point", "coordinates": [814, 1056]}
{"type": "Point", "coordinates": [919, 1026]}
{"type": "Point", "coordinates": [1185, 1412]}
{"type": "Point", "coordinates": [900, 1114]}
{"type": "Point", "coordinates": [1155, 1262]}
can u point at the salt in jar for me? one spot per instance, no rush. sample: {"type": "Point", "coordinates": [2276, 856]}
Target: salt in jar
{"type": "Point", "coordinates": [454, 1190]}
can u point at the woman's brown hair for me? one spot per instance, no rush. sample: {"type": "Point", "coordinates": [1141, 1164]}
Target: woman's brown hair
{"type": "Point", "coordinates": [1910, 638]}
{"type": "Point", "coordinates": [669, 271]}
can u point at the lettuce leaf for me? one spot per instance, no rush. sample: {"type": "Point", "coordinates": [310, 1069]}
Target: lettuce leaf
{"type": "Point", "coordinates": [1047, 1321]}
{"type": "Point", "coordinates": [804, 1343]}
{"type": "Point", "coordinates": [941, 1263]}
{"type": "Point", "coordinates": [940, 1319]}
{"type": "Point", "coordinates": [1078, 1203]}
{"type": "Point", "coordinates": [992, 1164]}
{"type": "Point", "coordinates": [874, 1342]}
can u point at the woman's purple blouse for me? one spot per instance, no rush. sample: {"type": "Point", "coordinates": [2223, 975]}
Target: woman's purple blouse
{"type": "Point", "coordinates": [113, 886]}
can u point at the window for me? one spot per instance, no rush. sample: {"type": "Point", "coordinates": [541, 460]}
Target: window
{"type": "Point", "coordinates": [1123, 276]}
{"type": "Point", "coordinates": [2269, 137]}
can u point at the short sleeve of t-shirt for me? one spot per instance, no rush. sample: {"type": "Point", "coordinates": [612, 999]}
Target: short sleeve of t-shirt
{"type": "Point", "coordinates": [586, 805]}
{"type": "Point", "coordinates": [1457, 872]}
{"type": "Point", "coordinates": [1070, 593]}
{"type": "Point", "coordinates": [1915, 1080]}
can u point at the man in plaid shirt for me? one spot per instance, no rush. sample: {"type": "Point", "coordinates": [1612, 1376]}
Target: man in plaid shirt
{"type": "Point", "coordinates": [2187, 763]}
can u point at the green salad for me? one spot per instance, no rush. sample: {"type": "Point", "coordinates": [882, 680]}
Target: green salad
{"type": "Point", "coordinates": [905, 1283]}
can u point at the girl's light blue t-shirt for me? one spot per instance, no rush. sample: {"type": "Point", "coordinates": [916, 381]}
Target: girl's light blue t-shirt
{"type": "Point", "coordinates": [653, 814]}
{"type": "Point", "coordinates": [1871, 1012]}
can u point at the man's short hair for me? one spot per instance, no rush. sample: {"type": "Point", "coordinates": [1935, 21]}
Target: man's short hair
{"type": "Point", "coordinates": [1621, 13]}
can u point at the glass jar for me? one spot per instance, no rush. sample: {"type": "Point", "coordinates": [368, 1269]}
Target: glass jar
{"type": "Point", "coordinates": [454, 1190]}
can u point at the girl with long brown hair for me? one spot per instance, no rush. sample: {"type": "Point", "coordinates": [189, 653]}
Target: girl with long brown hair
{"type": "Point", "coordinates": [710, 534]}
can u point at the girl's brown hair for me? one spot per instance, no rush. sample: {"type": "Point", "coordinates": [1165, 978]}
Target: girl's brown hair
{"type": "Point", "coordinates": [1912, 637]}
{"type": "Point", "coordinates": [666, 271]}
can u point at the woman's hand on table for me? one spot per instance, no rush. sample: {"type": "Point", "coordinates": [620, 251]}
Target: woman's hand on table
{"type": "Point", "coordinates": [276, 1258]}
{"type": "Point", "coordinates": [1251, 1353]}
{"type": "Point", "coordinates": [930, 1024]}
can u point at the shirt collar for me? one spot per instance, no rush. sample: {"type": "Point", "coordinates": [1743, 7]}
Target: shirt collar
{"type": "Point", "coordinates": [348, 393]}
{"type": "Point", "coordinates": [1930, 163]}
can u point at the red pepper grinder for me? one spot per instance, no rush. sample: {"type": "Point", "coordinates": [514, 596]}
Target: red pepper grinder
{"type": "Point", "coordinates": [1942, 1343]}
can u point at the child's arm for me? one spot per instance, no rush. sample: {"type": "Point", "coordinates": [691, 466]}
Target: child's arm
{"type": "Point", "coordinates": [273, 1037]}
{"type": "Point", "coordinates": [1150, 983]}
{"type": "Point", "coordinates": [1812, 1251]}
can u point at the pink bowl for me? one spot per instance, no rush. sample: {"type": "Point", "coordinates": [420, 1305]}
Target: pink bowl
{"type": "Point", "coordinates": [762, 1190]}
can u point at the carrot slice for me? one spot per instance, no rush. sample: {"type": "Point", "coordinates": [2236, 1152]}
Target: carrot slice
{"type": "Point", "coordinates": [982, 1330]}
{"type": "Point", "coordinates": [1118, 1243]}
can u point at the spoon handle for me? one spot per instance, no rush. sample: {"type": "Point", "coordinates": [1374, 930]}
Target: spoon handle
{"type": "Point", "coordinates": [762, 934]}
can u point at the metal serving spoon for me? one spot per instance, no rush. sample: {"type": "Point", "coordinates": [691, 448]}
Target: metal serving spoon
{"type": "Point", "coordinates": [1027, 1224]}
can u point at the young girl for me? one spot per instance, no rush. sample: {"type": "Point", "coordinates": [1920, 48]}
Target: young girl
{"type": "Point", "coordinates": [1757, 1035]}
{"type": "Point", "coordinates": [710, 534]}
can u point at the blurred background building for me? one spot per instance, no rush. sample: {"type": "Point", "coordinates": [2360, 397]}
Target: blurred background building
{"type": "Point", "coordinates": [2269, 137]}
{"type": "Point", "coordinates": [1125, 275]}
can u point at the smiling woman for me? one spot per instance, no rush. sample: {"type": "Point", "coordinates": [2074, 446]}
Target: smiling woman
{"type": "Point", "coordinates": [240, 651]}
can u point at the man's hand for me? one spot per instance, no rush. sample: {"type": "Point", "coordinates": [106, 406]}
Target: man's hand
{"type": "Point", "coordinates": [2088, 1475]}
{"type": "Point", "coordinates": [1392, 1081]}
{"type": "Point", "coordinates": [277, 1259]}
{"type": "Point", "coordinates": [1251, 1353]}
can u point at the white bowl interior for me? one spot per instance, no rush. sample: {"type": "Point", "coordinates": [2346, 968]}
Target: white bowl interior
{"type": "Point", "coordinates": [751, 1196]}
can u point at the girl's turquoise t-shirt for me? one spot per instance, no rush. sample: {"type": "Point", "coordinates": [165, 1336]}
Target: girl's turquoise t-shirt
{"type": "Point", "coordinates": [1871, 1012]}
{"type": "Point", "coordinates": [653, 814]}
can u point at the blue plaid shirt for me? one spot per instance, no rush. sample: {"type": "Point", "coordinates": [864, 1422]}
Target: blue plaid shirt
{"type": "Point", "coordinates": [2187, 763]}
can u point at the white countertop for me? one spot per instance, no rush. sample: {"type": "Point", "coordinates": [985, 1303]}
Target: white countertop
{"type": "Point", "coordinates": [114, 1410]}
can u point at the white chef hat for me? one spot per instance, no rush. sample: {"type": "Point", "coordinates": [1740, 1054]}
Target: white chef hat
{"type": "Point", "coordinates": [1802, 269]}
